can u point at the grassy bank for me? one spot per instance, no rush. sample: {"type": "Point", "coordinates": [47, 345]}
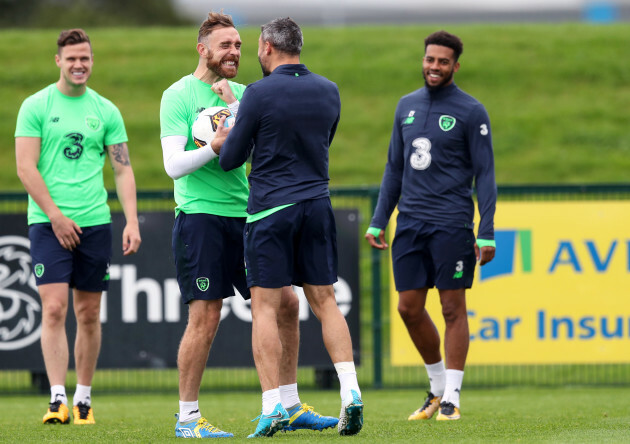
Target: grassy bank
{"type": "Point", "coordinates": [557, 94]}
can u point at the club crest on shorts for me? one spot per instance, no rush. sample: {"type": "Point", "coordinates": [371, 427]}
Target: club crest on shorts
{"type": "Point", "coordinates": [39, 270]}
{"type": "Point", "coordinates": [447, 123]}
{"type": "Point", "coordinates": [203, 283]}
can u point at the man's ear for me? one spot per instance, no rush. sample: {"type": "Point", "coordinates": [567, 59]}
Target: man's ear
{"type": "Point", "coordinates": [268, 48]}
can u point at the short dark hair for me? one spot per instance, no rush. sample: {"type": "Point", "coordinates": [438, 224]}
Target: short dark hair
{"type": "Point", "coordinates": [214, 20]}
{"type": "Point", "coordinates": [284, 35]}
{"type": "Point", "coordinates": [443, 38]}
{"type": "Point", "coordinates": [72, 37]}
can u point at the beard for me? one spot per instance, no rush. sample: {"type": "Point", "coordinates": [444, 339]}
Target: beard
{"type": "Point", "coordinates": [265, 71]}
{"type": "Point", "coordinates": [442, 83]}
{"type": "Point", "coordinates": [218, 69]}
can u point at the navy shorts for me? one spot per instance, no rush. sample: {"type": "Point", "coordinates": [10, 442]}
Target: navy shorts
{"type": "Point", "coordinates": [85, 268]}
{"type": "Point", "coordinates": [295, 245]}
{"type": "Point", "coordinates": [425, 255]}
{"type": "Point", "coordinates": [208, 252]}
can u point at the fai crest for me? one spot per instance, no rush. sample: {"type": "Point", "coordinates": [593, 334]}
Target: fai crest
{"type": "Point", "coordinates": [447, 123]}
{"type": "Point", "coordinates": [203, 283]}
{"type": "Point", "coordinates": [92, 123]}
{"type": "Point", "coordinates": [39, 270]}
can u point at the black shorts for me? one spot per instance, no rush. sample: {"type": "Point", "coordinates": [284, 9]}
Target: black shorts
{"type": "Point", "coordinates": [85, 268]}
{"type": "Point", "coordinates": [294, 246]}
{"type": "Point", "coordinates": [208, 252]}
{"type": "Point", "coordinates": [425, 255]}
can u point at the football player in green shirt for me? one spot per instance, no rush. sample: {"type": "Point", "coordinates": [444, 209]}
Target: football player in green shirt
{"type": "Point", "coordinates": [63, 134]}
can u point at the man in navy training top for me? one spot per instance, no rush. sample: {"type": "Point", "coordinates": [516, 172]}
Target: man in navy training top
{"type": "Point", "coordinates": [290, 116]}
{"type": "Point", "coordinates": [440, 142]}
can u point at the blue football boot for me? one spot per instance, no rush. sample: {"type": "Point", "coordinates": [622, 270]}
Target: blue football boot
{"type": "Point", "coordinates": [199, 429]}
{"type": "Point", "coordinates": [303, 417]}
{"type": "Point", "coordinates": [351, 416]}
{"type": "Point", "coordinates": [272, 423]}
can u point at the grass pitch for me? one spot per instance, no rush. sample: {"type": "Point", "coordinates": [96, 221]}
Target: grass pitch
{"type": "Point", "coordinates": [571, 414]}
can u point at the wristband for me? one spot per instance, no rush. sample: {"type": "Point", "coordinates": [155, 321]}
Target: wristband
{"type": "Point", "coordinates": [376, 232]}
{"type": "Point", "coordinates": [486, 243]}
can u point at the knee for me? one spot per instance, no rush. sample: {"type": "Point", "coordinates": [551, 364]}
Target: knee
{"type": "Point", "coordinates": [55, 313]}
{"type": "Point", "coordinates": [290, 307]}
{"type": "Point", "coordinates": [453, 313]}
{"type": "Point", "coordinates": [205, 319]}
{"type": "Point", "coordinates": [88, 315]}
{"type": "Point", "coordinates": [409, 313]}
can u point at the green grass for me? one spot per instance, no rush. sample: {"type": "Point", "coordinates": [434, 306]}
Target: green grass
{"type": "Point", "coordinates": [572, 414]}
{"type": "Point", "coordinates": [557, 94]}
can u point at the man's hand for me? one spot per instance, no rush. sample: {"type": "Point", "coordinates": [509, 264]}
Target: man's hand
{"type": "Point", "coordinates": [66, 231]}
{"type": "Point", "coordinates": [220, 136]}
{"type": "Point", "coordinates": [485, 255]}
{"type": "Point", "coordinates": [223, 90]}
{"type": "Point", "coordinates": [381, 244]}
{"type": "Point", "coordinates": [131, 239]}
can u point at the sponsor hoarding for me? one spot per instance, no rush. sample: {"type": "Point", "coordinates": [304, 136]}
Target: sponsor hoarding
{"type": "Point", "coordinates": [142, 315]}
{"type": "Point", "coordinates": [558, 290]}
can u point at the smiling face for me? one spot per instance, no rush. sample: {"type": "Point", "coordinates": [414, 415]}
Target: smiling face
{"type": "Point", "coordinates": [223, 52]}
{"type": "Point", "coordinates": [438, 66]}
{"type": "Point", "coordinates": [75, 63]}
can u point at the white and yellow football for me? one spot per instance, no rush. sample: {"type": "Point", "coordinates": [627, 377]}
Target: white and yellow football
{"type": "Point", "coordinates": [204, 127]}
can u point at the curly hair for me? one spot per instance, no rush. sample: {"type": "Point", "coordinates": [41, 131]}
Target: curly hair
{"type": "Point", "coordinates": [443, 38]}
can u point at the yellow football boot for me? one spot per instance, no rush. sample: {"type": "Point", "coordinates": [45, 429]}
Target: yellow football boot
{"type": "Point", "coordinates": [82, 414]}
{"type": "Point", "coordinates": [57, 414]}
{"type": "Point", "coordinates": [430, 406]}
{"type": "Point", "coordinates": [448, 412]}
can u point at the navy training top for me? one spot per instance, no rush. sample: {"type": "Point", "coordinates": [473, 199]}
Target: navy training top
{"type": "Point", "coordinates": [441, 140]}
{"type": "Point", "coordinates": [290, 117]}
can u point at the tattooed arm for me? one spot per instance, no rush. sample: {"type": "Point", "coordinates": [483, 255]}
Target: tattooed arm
{"type": "Point", "coordinates": [126, 190]}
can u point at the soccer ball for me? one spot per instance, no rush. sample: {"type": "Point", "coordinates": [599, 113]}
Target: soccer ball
{"type": "Point", "coordinates": [205, 125]}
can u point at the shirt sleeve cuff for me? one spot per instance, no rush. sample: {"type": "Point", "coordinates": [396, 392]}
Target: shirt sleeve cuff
{"type": "Point", "coordinates": [376, 232]}
{"type": "Point", "coordinates": [486, 243]}
{"type": "Point", "coordinates": [233, 107]}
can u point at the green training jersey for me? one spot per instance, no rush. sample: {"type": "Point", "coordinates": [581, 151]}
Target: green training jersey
{"type": "Point", "coordinates": [74, 132]}
{"type": "Point", "coordinates": [209, 189]}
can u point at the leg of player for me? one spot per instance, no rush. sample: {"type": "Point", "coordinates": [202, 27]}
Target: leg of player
{"type": "Point", "coordinates": [194, 348]}
{"type": "Point", "coordinates": [267, 350]}
{"type": "Point", "coordinates": [302, 416]}
{"type": "Point", "coordinates": [87, 345]}
{"type": "Point", "coordinates": [55, 349]}
{"type": "Point", "coordinates": [337, 340]}
{"type": "Point", "coordinates": [289, 331]}
{"type": "Point", "coordinates": [456, 342]}
{"type": "Point", "coordinates": [425, 337]}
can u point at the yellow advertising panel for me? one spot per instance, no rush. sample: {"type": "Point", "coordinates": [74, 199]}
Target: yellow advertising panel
{"type": "Point", "coordinates": [558, 290]}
